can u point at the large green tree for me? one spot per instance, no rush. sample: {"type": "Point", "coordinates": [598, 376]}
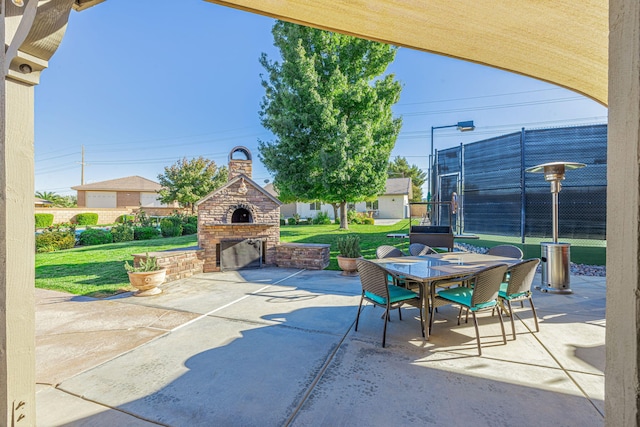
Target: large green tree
{"type": "Point", "coordinates": [400, 168]}
{"type": "Point", "coordinates": [329, 106]}
{"type": "Point", "coordinates": [187, 181]}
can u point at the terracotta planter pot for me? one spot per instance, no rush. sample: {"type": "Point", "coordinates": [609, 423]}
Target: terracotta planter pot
{"type": "Point", "coordinates": [348, 265]}
{"type": "Point", "coordinates": [146, 282]}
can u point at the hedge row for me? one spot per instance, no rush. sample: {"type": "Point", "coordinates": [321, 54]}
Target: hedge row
{"type": "Point", "coordinates": [63, 236]}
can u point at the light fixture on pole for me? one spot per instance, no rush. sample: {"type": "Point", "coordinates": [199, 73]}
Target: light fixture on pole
{"type": "Point", "coordinates": [462, 127]}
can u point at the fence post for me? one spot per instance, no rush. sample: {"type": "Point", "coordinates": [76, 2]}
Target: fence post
{"type": "Point", "coordinates": [523, 201]}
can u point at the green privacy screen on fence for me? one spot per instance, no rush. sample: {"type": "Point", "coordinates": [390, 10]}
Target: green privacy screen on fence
{"type": "Point", "coordinates": [498, 197]}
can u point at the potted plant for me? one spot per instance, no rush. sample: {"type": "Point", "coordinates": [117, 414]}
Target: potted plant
{"type": "Point", "coordinates": [349, 251]}
{"type": "Point", "coordinates": [146, 276]}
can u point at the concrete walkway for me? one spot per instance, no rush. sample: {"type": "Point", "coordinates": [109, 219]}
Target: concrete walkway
{"type": "Point", "coordinates": [274, 347]}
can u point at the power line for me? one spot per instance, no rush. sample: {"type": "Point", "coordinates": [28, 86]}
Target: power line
{"type": "Point", "coordinates": [495, 107]}
{"type": "Point", "coordinates": [479, 97]}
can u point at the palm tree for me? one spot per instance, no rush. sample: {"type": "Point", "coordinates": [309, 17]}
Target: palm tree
{"type": "Point", "coordinates": [48, 195]}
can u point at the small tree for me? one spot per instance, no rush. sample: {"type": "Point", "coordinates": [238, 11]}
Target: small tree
{"type": "Point", "coordinates": [187, 181]}
{"type": "Point", "coordinates": [399, 168]}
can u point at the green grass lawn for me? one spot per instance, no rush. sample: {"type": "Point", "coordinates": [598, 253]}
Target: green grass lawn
{"type": "Point", "coordinates": [98, 271]}
{"type": "Point", "coordinates": [371, 236]}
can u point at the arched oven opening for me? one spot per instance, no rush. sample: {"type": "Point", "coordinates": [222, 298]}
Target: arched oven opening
{"type": "Point", "coordinates": [241, 215]}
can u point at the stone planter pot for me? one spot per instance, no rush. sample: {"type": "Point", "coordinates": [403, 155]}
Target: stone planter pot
{"type": "Point", "coordinates": [146, 282]}
{"type": "Point", "coordinates": [348, 265]}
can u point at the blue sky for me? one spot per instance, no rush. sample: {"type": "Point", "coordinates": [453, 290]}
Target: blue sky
{"type": "Point", "coordinates": [142, 84]}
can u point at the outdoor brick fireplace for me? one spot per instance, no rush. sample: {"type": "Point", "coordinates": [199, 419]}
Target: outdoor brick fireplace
{"type": "Point", "coordinates": [239, 223]}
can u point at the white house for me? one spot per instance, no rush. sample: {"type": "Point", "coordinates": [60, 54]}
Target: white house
{"type": "Point", "coordinates": [393, 204]}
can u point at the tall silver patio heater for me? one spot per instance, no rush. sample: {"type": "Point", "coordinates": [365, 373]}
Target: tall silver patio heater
{"type": "Point", "coordinates": [555, 256]}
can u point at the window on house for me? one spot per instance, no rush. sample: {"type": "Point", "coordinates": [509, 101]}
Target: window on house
{"type": "Point", "coordinates": [351, 206]}
{"type": "Point", "coordinates": [315, 206]}
{"type": "Point", "coordinates": [372, 206]}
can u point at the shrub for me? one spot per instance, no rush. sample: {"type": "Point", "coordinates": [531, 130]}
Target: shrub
{"type": "Point", "coordinates": [149, 263]}
{"type": "Point", "coordinates": [189, 229]}
{"type": "Point", "coordinates": [291, 221]}
{"type": "Point", "coordinates": [145, 233]}
{"type": "Point", "coordinates": [171, 226]}
{"type": "Point", "coordinates": [122, 233]}
{"type": "Point", "coordinates": [95, 236]}
{"type": "Point", "coordinates": [124, 219]}
{"type": "Point", "coordinates": [322, 218]}
{"type": "Point", "coordinates": [143, 220]}
{"type": "Point", "coordinates": [282, 221]}
{"type": "Point", "coordinates": [368, 221]}
{"type": "Point", "coordinates": [296, 217]}
{"type": "Point", "coordinates": [192, 219]}
{"type": "Point", "coordinates": [352, 217]}
{"type": "Point", "coordinates": [87, 218]}
{"type": "Point", "coordinates": [349, 246]}
{"type": "Point", "coordinates": [50, 241]}
{"type": "Point", "coordinates": [44, 220]}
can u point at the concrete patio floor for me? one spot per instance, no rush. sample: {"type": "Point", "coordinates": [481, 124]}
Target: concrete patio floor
{"type": "Point", "coordinates": [274, 347]}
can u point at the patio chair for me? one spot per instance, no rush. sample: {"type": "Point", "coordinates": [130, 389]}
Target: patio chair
{"type": "Point", "coordinates": [483, 296]}
{"type": "Point", "coordinates": [388, 251]}
{"type": "Point", "coordinates": [508, 251]}
{"type": "Point", "coordinates": [419, 249]}
{"type": "Point", "coordinates": [518, 288]}
{"type": "Point", "coordinates": [376, 290]}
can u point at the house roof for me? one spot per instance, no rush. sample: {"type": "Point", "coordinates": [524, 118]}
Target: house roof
{"type": "Point", "coordinates": [129, 183]}
{"type": "Point", "coordinates": [39, 201]}
{"type": "Point", "coordinates": [398, 186]}
{"type": "Point", "coordinates": [269, 188]}
{"type": "Point", "coordinates": [562, 41]}
{"type": "Point", "coordinates": [248, 181]}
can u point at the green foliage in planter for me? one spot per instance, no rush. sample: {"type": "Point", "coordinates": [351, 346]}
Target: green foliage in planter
{"type": "Point", "coordinates": [122, 233]}
{"type": "Point", "coordinates": [87, 218]}
{"type": "Point", "coordinates": [50, 241]}
{"type": "Point", "coordinates": [145, 233]}
{"type": "Point", "coordinates": [189, 229]}
{"type": "Point", "coordinates": [95, 236]}
{"type": "Point", "coordinates": [149, 263]}
{"type": "Point", "coordinates": [171, 226]}
{"type": "Point", "coordinates": [349, 246]}
{"type": "Point", "coordinates": [44, 220]}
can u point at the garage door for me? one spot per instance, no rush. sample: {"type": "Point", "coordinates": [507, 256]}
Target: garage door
{"type": "Point", "coordinates": [150, 200]}
{"type": "Point", "coordinates": [101, 199]}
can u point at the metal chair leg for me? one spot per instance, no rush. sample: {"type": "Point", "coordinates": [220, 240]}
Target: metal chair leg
{"type": "Point", "coordinates": [535, 315]}
{"type": "Point", "coordinates": [359, 310]}
{"type": "Point", "coordinates": [504, 336]}
{"type": "Point", "coordinates": [475, 324]}
{"type": "Point", "coordinates": [513, 325]}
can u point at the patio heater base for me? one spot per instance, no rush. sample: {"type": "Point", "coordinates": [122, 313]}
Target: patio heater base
{"type": "Point", "coordinates": [555, 268]}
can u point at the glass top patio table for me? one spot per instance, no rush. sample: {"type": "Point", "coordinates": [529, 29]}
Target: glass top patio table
{"type": "Point", "coordinates": [429, 269]}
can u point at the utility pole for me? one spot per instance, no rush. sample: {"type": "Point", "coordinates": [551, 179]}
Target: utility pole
{"type": "Point", "coordinates": [82, 165]}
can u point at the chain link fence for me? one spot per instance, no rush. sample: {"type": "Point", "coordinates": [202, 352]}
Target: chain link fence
{"type": "Point", "coordinates": [496, 196]}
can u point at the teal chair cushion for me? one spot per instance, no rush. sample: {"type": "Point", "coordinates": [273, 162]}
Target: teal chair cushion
{"type": "Point", "coordinates": [396, 294]}
{"type": "Point", "coordinates": [503, 292]}
{"type": "Point", "coordinates": [462, 295]}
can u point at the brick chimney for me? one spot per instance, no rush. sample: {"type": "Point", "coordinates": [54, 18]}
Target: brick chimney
{"type": "Point", "coordinates": [240, 165]}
